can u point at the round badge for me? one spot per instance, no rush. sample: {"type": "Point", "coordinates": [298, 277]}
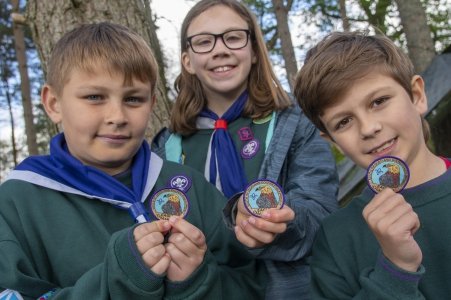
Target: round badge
{"type": "Point", "coordinates": [169, 202]}
{"type": "Point", "coordinates": [250, 149]}
{"type": "Point", "coordinates": [387, 171]}
{"type": "Point", "coordinates": [261, 195]}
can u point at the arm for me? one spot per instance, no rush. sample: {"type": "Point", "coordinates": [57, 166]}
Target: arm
{"type": "Point", "coordinates": [333, 276]}
{"type": "Point", "coordinates": [310, 183]}
{"type": "Point", "coordinates": [120, 276]}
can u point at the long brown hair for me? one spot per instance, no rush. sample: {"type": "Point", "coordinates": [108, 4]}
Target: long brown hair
{"type": "Point", "coordinates": [265, 92]}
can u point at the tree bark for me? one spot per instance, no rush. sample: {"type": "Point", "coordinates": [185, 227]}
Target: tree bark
{"type": "Point", "coordinates": [281, 12]}
{"type": "Point", "coordinates": [344, 15]}
{"type": "Point", "coordinates": [19, 46]}
{"type": "Point", "coordinates": [418, 35]}
{"type": "Point", "coordinates": [49, 20]}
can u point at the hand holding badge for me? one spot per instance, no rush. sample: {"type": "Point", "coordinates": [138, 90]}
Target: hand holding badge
{"type": "Point", "coordinates": [261, 195]}
{"type": "Point", "coordinates": [387, 171]}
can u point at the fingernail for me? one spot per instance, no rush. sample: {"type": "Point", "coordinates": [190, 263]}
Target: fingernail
{"type": "Point", "coordinates": [173, 219]}
{"type": "Point", "coordinates": [244, 223]}
{"type": "Point", "coordinates": [166, 225]}
{"type": "Point", "coordinates": [266, 215]}
{"type": "Point", "coordinates": [252, 220]}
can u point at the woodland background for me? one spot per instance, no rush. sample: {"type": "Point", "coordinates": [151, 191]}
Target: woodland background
{"type": "Point", "coordinates": [29, 29]}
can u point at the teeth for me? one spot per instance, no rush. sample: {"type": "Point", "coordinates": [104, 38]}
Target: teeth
{"type": "Point", "coordinates": [384, 146]}
{"type": "Point", "coordinates": [222, 69]}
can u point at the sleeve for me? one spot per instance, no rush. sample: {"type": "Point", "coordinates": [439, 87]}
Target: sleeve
{"type": "Point", "coordinates": [383, 281]}
{"type": "Point", "coordinates": [159, 141]}
{"type": "Point", "coordinates": [228, 271]}
{"type": "Point", "coordinates": [121, 275]}
{"type": "Point", "coordinates": [310, 182]}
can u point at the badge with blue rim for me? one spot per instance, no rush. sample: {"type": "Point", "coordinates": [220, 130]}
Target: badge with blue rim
{"type": "Point", "coordinates": [180, 182]}
{"type": "Point", "coordinates": [261, 195]}
{"type": "Point", "coordinates": [387, 171]}
{"type": "Point", "coordinates": [169, 202]}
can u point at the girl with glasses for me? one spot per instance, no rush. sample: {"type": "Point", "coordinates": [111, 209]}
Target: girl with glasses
{"type": "Point", "coordinates": [233, 121]}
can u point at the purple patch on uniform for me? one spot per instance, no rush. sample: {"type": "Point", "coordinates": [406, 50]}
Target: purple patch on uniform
{"type": "Point", "coordinates": [250, 149]}
{"type": "Point", "coordinates": [180, 182]}
{"type": "Point", "coordinates": [245, 134]}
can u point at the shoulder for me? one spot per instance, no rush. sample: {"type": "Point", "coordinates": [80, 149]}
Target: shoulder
{"type": "Point", "coordinates": [159, 141]}
{"type": "Point", "coordinates": [346, 220]}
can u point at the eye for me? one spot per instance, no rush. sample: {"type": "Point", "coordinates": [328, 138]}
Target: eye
{"type": "Point", "coordinates": [379, 101]}
{"type": "Point", "coordinates": [343, 123]}
{"type": "Point", "coordinates": [202, 40]}
{"type": "Point", "coordinates": [93, 97]}
{"type": "Point", "coordinates": [135, 100]}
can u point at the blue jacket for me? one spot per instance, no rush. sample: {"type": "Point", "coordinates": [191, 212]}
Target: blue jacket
{"type": "Point", "coordinates": [302, 163]}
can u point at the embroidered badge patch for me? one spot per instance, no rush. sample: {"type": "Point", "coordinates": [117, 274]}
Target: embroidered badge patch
{"type": "Point", "coordinates": [180, 182]}
{"type": "Point", "coordinates": [245, 134]}
{"type": "Point", "coordinates": [250, 149]}
{"type": "Point", "coordinates": [387, 171]}
{"type": "Point", "coordinates": [261, 195]}
{"type": "Point", "coordinates": [169, 202]}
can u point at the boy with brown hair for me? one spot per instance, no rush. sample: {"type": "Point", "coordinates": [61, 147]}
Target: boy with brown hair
{"type": "Point", "coordinates": [67, 220]}
{"type": "Point", "coordinates": [363, 94]}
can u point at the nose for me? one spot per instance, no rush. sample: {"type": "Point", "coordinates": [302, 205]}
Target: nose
{"type": "Point", "coordinates": [369, 127]}
{"type": "Point", "coordinates": [220, 48]}
{"type": "Point", "coordinates": [115, 113]}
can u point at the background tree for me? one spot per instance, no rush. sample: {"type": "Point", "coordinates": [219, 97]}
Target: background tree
{"type": "Point", "coordinates": [19, 45]}
{"type": "Point", "coordinates": [418, 35]}
{"type": "Point", "coordinates": [49, 20]}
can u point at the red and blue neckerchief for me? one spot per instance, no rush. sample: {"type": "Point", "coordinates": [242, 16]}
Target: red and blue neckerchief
{"type": "Point", "coordinates": [224, 167]}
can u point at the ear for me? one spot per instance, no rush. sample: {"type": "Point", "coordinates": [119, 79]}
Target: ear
{"type": "Point", "coordinates": [419, 98]}
{"type": "Point", "coordinates": [254, 57]}
{"type": "Point", "coordinates": [51, 104]}
{"type": "Point", "coordinates": [186, 62]}
{"type": "Point", "coordinates": [153, 101]}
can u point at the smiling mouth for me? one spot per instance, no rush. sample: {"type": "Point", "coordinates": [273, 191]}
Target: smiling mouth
{"type": "Point", "coordinates": [222, 69]}
{"type": "Point", "coordinates": [383, 147]}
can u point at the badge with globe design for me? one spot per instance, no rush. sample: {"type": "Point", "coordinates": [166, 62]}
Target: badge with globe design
{"type": "Point", "coordinates": [387, 171]}
{"type": "Point", "coordinates": [261, 195]}
{"type": "Point", "coordinates": [169, 202]}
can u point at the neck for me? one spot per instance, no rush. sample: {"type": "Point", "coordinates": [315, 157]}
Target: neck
{"type": "Point", "coordinates": [220, 103]}
{"type": "Point", "coordinates": [425, 168]}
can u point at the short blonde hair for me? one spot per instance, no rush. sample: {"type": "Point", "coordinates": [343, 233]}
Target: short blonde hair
{"type": "Point", "coordinates": [112, 46]}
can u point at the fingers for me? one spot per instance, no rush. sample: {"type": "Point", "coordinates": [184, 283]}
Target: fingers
{"type": "Point", "coordinates": [247, 240]}
{"type": "Point", "coordinates": [146, 228]}
{"type": "Point", "coordinates": [189, 231]}
{"type": "Point", "coordinates": [149, 242]}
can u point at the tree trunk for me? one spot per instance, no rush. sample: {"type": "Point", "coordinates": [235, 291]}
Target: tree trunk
{"type": "Point", "coordinates": [19, 45]}
{"type": "Point", "coordinates": [281, 12]}
{"type": "Point", "coordinates": [344, 15]}
{"type": "Point", "coordinates": [49, 20]}
{"type": "Point", "coordinates": [11, 120]}
{"type": "Point", "coordinates": [418, 35]}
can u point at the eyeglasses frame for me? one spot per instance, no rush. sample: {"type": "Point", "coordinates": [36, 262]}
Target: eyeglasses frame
{"type": "Point", "coordinates": [216, 36]}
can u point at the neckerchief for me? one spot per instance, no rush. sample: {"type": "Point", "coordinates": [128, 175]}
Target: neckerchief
{"type": "Point", "coordinates": [66, 173]}
{"type": "Point", "coordinates": [224, 167]}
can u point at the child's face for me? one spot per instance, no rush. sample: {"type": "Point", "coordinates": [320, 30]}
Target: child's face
{"type": "Point", "coordinates": [104, 121]}
{"type": "Point", "coordinates": [376, 117]}
{"type": "Point", "coordinates": [222, 72]}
